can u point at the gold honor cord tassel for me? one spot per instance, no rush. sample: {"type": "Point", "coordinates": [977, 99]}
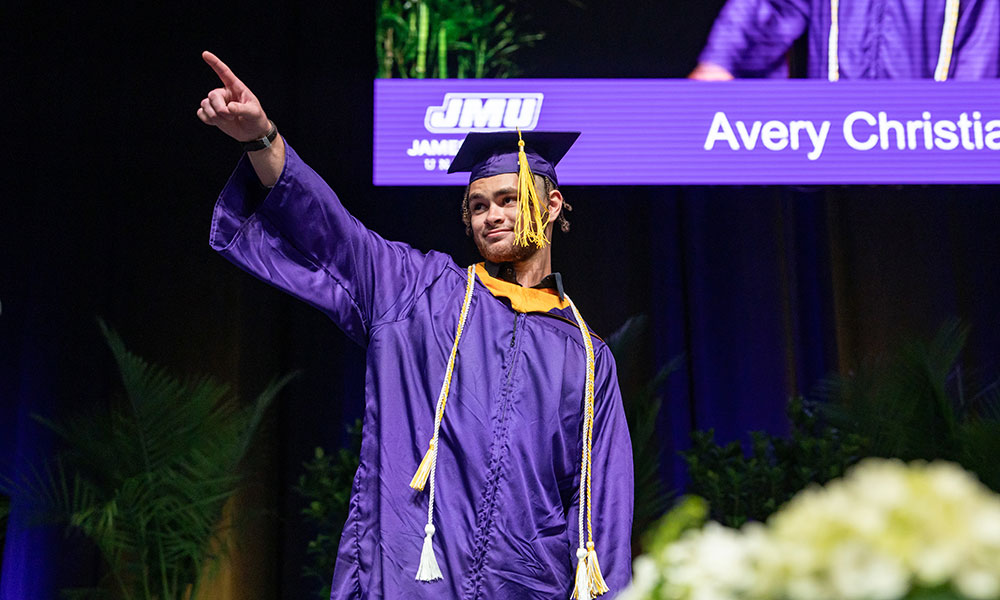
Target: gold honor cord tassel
{"type": "Point", "coordinates": [529, 226]}
{"type": "Point", "coordinates": [598, 586]}
{"type": "Point", "coordinates": [428, 569]}
{"type": "Point", "coordinates": [589, 580]}
{"type": "Point", "coordinates": [423, 471]}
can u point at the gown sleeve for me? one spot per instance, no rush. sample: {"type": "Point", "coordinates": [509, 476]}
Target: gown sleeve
{"type": "Point", "coordinates": [612, 481]}
{"type": "Point", "coordinates": [750, 37]}
{"type": "Point", "coordinates": [977, 41]}
{"type": "Point", "coordinates": [301, 239]}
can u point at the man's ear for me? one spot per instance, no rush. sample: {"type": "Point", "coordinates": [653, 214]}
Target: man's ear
{"type": "Point", "coordinates": [555, 205]}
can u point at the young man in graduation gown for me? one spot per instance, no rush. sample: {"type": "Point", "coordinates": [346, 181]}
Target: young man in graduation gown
{"type": "Point", "coordinates": [856, 39]}
{"type": "Point", "coordinates": [492, 414]}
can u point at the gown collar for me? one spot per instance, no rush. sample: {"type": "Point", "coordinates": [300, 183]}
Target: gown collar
{"type": "Point", "coordinates": [500, 280]}
{"type": "Point", "coordinates": [506, 272]}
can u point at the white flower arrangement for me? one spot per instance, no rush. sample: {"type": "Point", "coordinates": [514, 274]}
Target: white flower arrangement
{"type": "Point", "coordinates": [885, 531]}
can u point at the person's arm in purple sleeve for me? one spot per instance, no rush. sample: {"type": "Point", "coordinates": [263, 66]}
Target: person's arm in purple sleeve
{"type": "Point", "coordinates": [612, 482]}
{"type": "Point", "coordinates": [750, 38]}
{"type": "Point", "coordinates": [976, 54]}
{"type": "Point", "coordinates": [300, 238]}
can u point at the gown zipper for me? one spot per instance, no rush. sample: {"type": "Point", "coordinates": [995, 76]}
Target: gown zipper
{"type": "Point", "coordinates": [496, 456]}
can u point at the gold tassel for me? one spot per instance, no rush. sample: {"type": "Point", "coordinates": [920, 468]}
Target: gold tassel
{"type": "Point", "coordinates": [529, 226]}
{"type": "Point", "coordinates": [581, 591]}
{"type": "Point", "coordinates": [423, 471]}
{"type": "Point", "coordinates": [598, 587]}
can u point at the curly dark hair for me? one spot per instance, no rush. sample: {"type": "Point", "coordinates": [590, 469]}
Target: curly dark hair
{"type": "Point", "coordinates": [547, 186]}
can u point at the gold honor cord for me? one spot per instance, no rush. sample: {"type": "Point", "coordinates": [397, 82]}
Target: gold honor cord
{"type": "Point", "coordinates": [944, 54]}
{"type": "Point", "coordinates": [428, 569]}
{"type": "Point", "coordinates": [589, 580]}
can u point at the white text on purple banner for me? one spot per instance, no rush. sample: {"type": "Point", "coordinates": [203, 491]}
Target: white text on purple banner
{"type": "Point", "coordinates": [669, 132]}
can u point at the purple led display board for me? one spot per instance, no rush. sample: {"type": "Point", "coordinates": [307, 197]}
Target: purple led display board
{"type": "Point", "coordinates": [669, 131]}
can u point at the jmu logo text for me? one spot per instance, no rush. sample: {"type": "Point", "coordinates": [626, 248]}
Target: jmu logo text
{"type": "Point", "coordinates": [461, 113]}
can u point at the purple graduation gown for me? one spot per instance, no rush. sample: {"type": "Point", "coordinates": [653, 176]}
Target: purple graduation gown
{"type": "Point", "coordinates": [879, 39]}
{"type": "Point", "coordinates": [509, 461]}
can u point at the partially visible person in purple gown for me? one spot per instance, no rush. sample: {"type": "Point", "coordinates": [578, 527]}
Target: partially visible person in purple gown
{"type": "Point", "coordinates": [496, 461]}
{"type": "Point", "coordinates": [855, 39]}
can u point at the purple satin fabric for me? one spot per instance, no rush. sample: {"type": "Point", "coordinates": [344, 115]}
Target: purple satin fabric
{"type": "Point", "coordinates": [509, 462]}
{"type": "Point", "coordinates": [879, 39]}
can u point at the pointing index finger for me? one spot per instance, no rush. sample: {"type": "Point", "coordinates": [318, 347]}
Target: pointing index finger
{"type": "Point", "coordinates": [229, 79]}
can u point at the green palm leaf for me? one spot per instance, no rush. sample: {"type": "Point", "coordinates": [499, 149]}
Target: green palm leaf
{"type": "Point", "coordinates": [919, 403]}
{"type": "Point", "coordinates": [145, 476]}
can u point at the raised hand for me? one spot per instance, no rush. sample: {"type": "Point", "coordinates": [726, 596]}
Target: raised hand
{"type": "Point", "coordinates": [236, 111]}
{"type": "Point", "coordinates": [232, 108]}
{"type": "Point", "coordinates": [710, 72]}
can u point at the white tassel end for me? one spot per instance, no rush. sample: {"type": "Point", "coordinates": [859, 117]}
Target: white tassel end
{"type": "Point", "coordinates": [582, 589]}
{"type": "Point", "coordinates": [428, 570]}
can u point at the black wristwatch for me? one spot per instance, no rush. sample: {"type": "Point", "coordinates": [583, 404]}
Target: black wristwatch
{"type": "Point", "coordinates": [264, 142]}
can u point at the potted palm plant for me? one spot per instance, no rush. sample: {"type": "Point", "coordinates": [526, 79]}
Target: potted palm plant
{"type": "Point", "coordinates": [146, 477]}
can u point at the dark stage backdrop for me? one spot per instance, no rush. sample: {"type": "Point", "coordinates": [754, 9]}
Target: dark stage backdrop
{"type": "Point", "coordinates": [110, 179]}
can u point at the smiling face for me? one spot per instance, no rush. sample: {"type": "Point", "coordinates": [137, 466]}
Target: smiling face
{"type": "Point", "coordinates": [492, 212]}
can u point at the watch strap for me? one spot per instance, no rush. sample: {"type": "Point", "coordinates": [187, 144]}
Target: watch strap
{"type": "Point", "coordinates": [263, 142]}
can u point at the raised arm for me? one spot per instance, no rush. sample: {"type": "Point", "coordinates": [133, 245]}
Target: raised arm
{"type": "Point", "coordinates": [297, 235]}
{"type": "Point", "coordinates": [236, 111]}
{"type": "Point", "coordinates": [750, 39]}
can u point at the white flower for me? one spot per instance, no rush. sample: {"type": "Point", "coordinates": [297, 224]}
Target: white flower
{"type": "Point", "coordinates": [806, 586]}
{"type": "Point", "coordinates": [978, 584]}
{"type": "Point", "coordinates": [712, 563]}
{"type": "Point", "coordinates": [645, 578]}
{"type": "Point", "coordinates": [882, 529]}
{"type": "Point", "coordinates": [880, 484]}
{"type": "Point", "coordinates": [985, 524]}
{"type": "Point", "coordinates": [951, 482]}
{"type": "Point", "coordinates": [935, 563]}
{"type": "Point", "coordinates": [858, 572]}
